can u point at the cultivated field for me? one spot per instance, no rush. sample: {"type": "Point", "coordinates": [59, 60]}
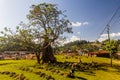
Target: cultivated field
{"type": "Point", "coordinates": [99, 69]}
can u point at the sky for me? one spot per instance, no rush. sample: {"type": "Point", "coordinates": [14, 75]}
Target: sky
{"type": "Point", "coordinates": [88, 17]}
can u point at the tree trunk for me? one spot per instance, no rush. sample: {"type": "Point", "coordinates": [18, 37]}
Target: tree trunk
{"type": "Point", "coordinates": [111, 60]}
{"type": "Point", "coordinates": [38, 57]}
{"type": "Point", "coordinates": [47, 54]}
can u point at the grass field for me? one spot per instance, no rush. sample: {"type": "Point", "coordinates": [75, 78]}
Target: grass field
{"type": "Point", "coordinates": [29, 69]}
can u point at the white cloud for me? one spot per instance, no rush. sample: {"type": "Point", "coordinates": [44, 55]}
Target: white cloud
{"type": "Point", "coordinates": [85, 23]}
{"type": "Point", "coordinates": [78, 24]}
{"type": "Point", "coordinates": [72, 39]}
{"type": "Point", "coordinates": [102, 39]}
{"type": "Point", "coordinates": [78, 32]}
{"type": "Point", "coordinates": [105, 36]}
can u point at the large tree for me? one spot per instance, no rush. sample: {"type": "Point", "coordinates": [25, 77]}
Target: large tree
{"type": "Point", "coordinates": [46, 25]}
{"type": "Point", "coordinates": [112, 47]}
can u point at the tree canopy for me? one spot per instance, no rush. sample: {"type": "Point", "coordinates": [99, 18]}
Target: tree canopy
{"type": "Point", "coordinates": [112, 47]}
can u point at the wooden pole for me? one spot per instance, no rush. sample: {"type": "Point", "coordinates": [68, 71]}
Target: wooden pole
{"type": "Point", "coordinates": [108, 31]}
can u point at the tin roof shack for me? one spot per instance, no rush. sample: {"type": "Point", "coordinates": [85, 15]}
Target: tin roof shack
{"type": "Point", "coordinates": [117, 56]}
{"type": "Point", "coordinates": [99, 54]}
{"type": "Point", "coordinates": [103, 54]}
{"type": "Point", "coordinates": [31, 56]}
{"type": "Point", "coordinates": [15, 54]}
{"type": "Point", "coordinates": [1, 56]}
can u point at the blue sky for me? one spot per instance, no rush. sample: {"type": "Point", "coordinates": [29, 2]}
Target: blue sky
{"type": "Point", "coordinates": [88, 17]}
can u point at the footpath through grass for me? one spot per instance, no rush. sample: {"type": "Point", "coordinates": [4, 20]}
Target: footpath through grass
{"type": "Point", "coordinates": [14, 69]}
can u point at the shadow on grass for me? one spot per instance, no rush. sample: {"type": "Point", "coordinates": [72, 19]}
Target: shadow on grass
{"type": "Point", "coordinates": [91, 73]}
{"type": "Point", "coordinates": [117, 67]}
{"type": "Point", "coordinates": [7, 63]}
{"type": "Point", "coordinates": [87, 68]}
{"type": "Point", "coordinates": [106, 67]}
{"type": "Point", "coordinates": [81, 78]}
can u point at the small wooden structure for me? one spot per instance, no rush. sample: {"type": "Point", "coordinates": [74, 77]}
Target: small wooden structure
{"type": "Point", "coordinates": [102, 53]}
{"type": "Point", "coordinates": [117, 55]}
{"type": "Point", "coordinates": [17, 55]}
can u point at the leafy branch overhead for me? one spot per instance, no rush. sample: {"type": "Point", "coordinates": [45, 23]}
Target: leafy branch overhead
{"type": "Point", "coordinates": [50, 21]}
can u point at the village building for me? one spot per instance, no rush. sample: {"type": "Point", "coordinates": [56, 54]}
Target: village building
{"type": "Point", "coordinates": [117, 55]}
{"type": "Point", "coordinates": [14, 55]}
{"type": "Point", "coordinates": [101, 53]}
